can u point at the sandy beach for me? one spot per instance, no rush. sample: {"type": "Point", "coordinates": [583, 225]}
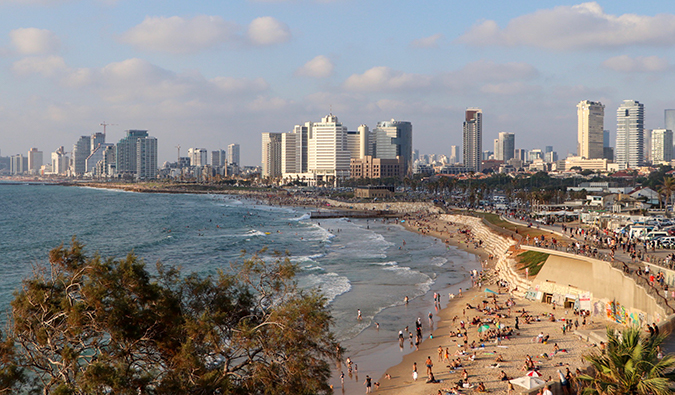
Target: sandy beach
{"type": "Point", "coordinates": [480, 362]}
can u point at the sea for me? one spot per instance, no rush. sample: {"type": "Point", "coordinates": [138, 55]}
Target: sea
{"type": "Point", "coordinates": [370, 265]}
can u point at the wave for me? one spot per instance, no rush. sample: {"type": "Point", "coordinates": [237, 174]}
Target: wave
{"type": "Point", "coordinates": [390, 263]}
{"type": "Point", "coordinates": [253, 232]}
{"type": "Point", "coordinates": [438, 261]}
{"type": "Point", "coordinates": [331, 284]}
{"type": "Point", "coordinates": [304, 217]}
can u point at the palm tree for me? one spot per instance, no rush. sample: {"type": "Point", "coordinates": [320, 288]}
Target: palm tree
{"type": "Point", "coordinates": [629, 365]}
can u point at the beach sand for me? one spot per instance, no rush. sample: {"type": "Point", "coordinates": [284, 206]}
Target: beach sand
{"type": "Point", "coordinates": [483, 368]}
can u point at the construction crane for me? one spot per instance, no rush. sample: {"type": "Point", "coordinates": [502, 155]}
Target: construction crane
{"type": "Point", "coordinates": [104, 124]}
{"type": "Point", "coordinates": [178, 146]}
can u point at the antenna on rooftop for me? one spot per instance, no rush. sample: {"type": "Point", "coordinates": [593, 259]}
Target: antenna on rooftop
{"type": "Point", "coordinates": [104, 124]}
{"type": "Point", "coordinates": [178, 146]}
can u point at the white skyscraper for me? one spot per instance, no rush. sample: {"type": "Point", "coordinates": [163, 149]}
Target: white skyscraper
{"type": "Point", "coordinates": [34, 161]}
{"type": "Point", "coordinates": [505, 146]}
{"type": "Point", "coordinates": [629, 134]}
{"type": "Point", "coordinates": [198, 156]}
{"type": "Point", "coordinates": [233, 154]}
{"type": "Point", "coordinates": [60, 161]}
{"type": "Point", "coordinates": [454, 154]}
{"type": "Point", "coordinates": [590, 132]}
{"type": "Point", "coordinates": [271, 155]}
{"type": "Point", "coordinates": [662, 145]}
{"type": "Point", "coordinates": [81, 151]}
{"type": "Point", "coordinates": [495, 144]}
{"type": "Point", "coordinates": [328, 154]}
{"type": "Point", "coordinates": [473, 138]}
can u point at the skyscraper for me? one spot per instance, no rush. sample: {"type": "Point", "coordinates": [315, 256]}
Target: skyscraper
{"type": "Point", "coordinates": [219, 158]}
{"type": "Point", "coordinates": [126, 153]}
{"type": "Point", "coordinates": [669, 119]}
{"type": "Point", "coordinates": [394, 138]}
{"type": "Point", "coordinates": [271, 155]}
{"type": "Point", "coordinates": [328, 155]}
{"type": "Point", "coordinates": [294, 150]}
{"type": "Point", "coordinates": [662, 145]}
{"type": "Point", "coordinates": [507, 146]}
{"type": "Point", "coordinates": [629, 134]}
{"type": "Point", "coordinates": [473, 139]}
{"type": "Point", "coordinates": [198, 156]}
{"type": "Point", "coordinates": [96, 140]}
{"type": "Point", "coordinates": [81, 151]}
{"type": "Point", "coordinates": [233, 154]}
{"type": "Point", "coordinates": [34, 161]}
{"type": "Point", "coordinates": [146, 158]}
{"type": "Point", "coordinates": [454, 154]}
{"type": "Point", "coordinates": [590, 129]}
{"type": "Point", "coordinates": [60, 161]}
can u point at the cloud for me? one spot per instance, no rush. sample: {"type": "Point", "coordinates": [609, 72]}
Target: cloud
{"type": "Point", "coordinates": [640, 64]}
{"type": "Point", "coordinates": [33, 41]}
{"type": "Point", "coordinates": [427, 42]}
{"type": "Point", "coordinates": [509, 88]}
{"type": "Point", "coordinates": [180, 35]}
{"type": "Point", "coordinates": [319, 67]}
{"type": "Point", "coordinates": [46, 66]}
{"type": "Point", "coordinates": [268, 31]}
{"type": "Point", "coordinates": [583, 26]}
{"type": "Point", "coordinates": [385, 79]}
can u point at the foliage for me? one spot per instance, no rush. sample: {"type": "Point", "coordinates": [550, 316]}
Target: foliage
{"type": "Point", "coordinates": [532, 260]}
{"type": "Point", "coordinates": [90, 325]}
{"type": "Point", "coordinates": [629, 365]}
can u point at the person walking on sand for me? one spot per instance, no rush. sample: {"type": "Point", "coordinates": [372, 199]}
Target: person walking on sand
{"type": "Point", "coordinates": [414, 372]}
{"type": "Point", "coordinates": [429, 365]}
{"type": "Point", "coordinates": [368, 384]}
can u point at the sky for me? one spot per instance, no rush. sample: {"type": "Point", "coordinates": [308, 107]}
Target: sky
{"type": "Point", "coordinates": [207, 74]}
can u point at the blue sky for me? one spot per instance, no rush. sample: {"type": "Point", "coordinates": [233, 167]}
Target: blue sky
{"type": "Point", "coordinates": [206, 74]}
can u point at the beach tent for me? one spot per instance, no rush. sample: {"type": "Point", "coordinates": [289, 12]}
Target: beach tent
{"type": "Point", "coordinates": [528, 382]}
{"type": "Point", "coordinates": [533, 373]}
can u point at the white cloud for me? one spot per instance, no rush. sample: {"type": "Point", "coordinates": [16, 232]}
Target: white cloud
{"type": "Point", "coordinates": [180, 35]}
{"type": "Point", "coordinates": [267, 30]}
{"type": "Point", "coordinates": [33, 41]}
{"type": "Point", "coordinates": [509, 88]}
{"type": "Point", "coordinates": [46, 66]}
{"type": "Point", "coordinates": [230, 85]}
{"type": "Point", "coordinates": [427, 42]}
{"type": "Point", "coordinates": [582, 26]}
{"type": "Point", "coordinates": [640, 64]}
{"type": "Point", "coordinates": [319, 67]}
{"type": "Point", "coordinates": [385, 79]}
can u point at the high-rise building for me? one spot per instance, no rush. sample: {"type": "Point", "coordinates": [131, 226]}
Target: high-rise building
{"type": "Point", "coordinates": [662, 145]}
{"type": "Point", "coordinates": [294, 150]}
{"type": "Point", "coordinates": [96, 140]}
{"type": "Point", "coordinates": [454, 154]}
{"type": "Point", "coordinates": [96, 156]}
{"type": "Point", "coordinates": [146, 158]}
{"type": "Point", "coordinates": [473, 138]}
{"type": "Point", "coordinates": [233, 154]}
{"type": "Point", "coordinates": [497, 154]}
{"type": "Point", "coordinates": [669, 119]}
{"type": "Point", "coordinates": [219, 158]}
{"type": "Point", "coordinates": [34, 161]}
{"type": "Point", "coordinates": [605, 138]}
{"type": "Point", "coordinates": [507, 146]}
{"type": "Point", "coordinates": [60, 161]}
{"type": "Point", "coordinates": [522, 154]}
{"type": "Point", "coordinates": [647, 144]}
{"type": "Point", "coordinates": [590, 129]}
{"type": "Point", "coordinates": [16, 165]}
{"type": "Point", "coordinates": [81, 151]}
{"type": "Point", "coordinates": [198, 156]}
{"type": "Point", "coordinates": [271, 155]}
{"type": "Point", "coordinates": [393, 139]}
{"type": "Point", "coordinates": [629, 149]}
{"type": "Point", "coordinates": [127, 152]}
{"type": "Point", "coordinates": [328, 155]}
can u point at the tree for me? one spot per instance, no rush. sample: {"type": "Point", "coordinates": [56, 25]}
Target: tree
{"type": "Point", "coordinates": [667, 187]}
{"type": "Point", "coordinates": [629, 366]}
{"type": "Point", "coordinates": [87, 325]}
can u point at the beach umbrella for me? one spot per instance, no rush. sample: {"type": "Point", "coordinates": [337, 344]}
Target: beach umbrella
{"type": "Point", "coordinates": [533, 373]}
{"type": "Point", "coordinates": [528, 382]}
{"type": "Point", "coordinates": [488, 290]}
{"type": "Point", "coordinates": [483, 328]}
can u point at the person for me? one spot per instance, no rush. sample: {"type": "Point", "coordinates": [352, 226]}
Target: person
{"type": "Point", "coordinates": [358, 315]}
{"type": "Point", "coordinates": [432, 379]}
{"type": "Point", "coordinates": [429, 364]}
{"type": "Point", "coordinates": [509, 389]}
{"type": "Point", "coordinates": [503, 376]}
{"type": "Point", "coordinates": [414, 373]}
{"type": "Point", "coordinates": [481, 387]}
{"type": "Point", "coordinates": [342, 379]}
{"type": "Point", "coordinates": [547, 390]}
{"type": "Point", "coordinates": [368, 384]}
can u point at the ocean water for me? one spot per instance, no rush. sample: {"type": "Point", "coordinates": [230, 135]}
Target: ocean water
{"type": "Point", "coordinates": [369, 265]}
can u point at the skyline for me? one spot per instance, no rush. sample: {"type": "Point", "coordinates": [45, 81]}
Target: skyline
{"type": "Point", "coordinates": [208, 75]}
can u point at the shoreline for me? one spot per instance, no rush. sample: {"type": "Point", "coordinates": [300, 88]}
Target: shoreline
{"type": "Point", "coordinates": [483, 368]}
